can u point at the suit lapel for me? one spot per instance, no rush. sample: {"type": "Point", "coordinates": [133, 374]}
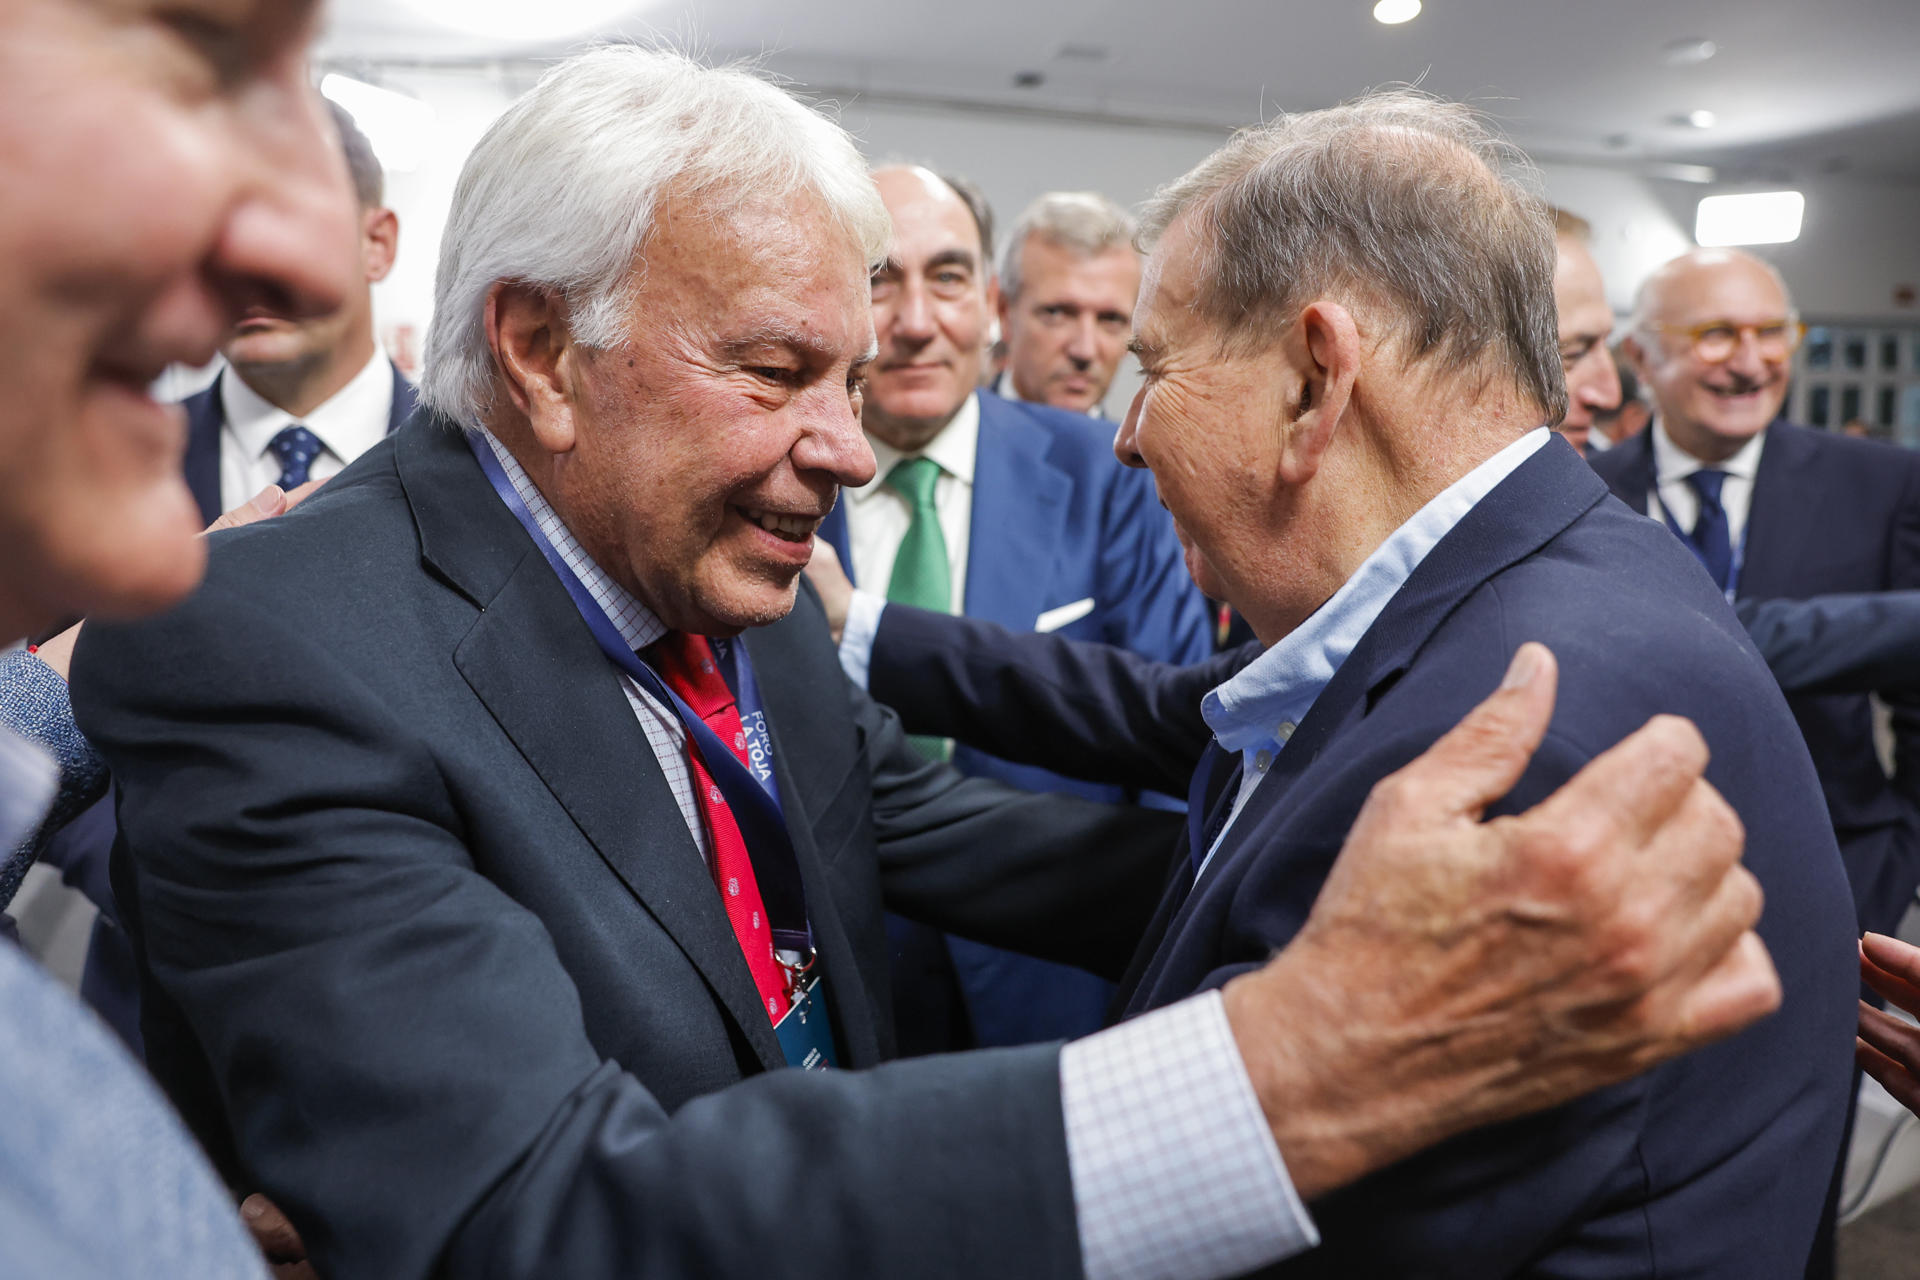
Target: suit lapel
{"type": "Point", "coordinates": [405, 401]}
{"type": "Point", "coordinates": [1635, 481]}
{"type": "Point", "coordinates": [809, 772]}
{"type": "Point", "coordinates": [1019, 505]}
{"type": "Point", "coordinates": [532, 662]}
{"type": "Point", "coordinates": [834, 530]}
{"type": "Point", "coordinates": [201, 465]}
{"type": "Point", "coordinates": [1778, 516]}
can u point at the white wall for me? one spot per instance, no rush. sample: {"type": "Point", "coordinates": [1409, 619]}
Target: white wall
{"type": "Point", "coordinates": [1858, 242]}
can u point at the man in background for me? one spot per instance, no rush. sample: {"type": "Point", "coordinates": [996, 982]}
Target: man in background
{"type": "Point", "coordinates": [1012, 512]}
{"type": "Point", "coordinates": [1775, 510]}
{"type": "Point", "coordinates": [1069, 276]}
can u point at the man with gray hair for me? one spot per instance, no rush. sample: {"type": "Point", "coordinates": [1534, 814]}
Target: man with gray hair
{"type": "Point", "coordinates": [1347, 332]}
{"type": "Point", "coordinates": [498, 823]}
{"type": "Point", "coordinates": [1069, 276]}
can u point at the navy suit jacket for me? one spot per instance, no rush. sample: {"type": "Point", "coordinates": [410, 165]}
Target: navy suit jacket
{"type": "Point", "coordinates": [1832, 514]}
{"type": "Point", "coordinates": [1056, 519]}
{"type": "Point", "coordinates": [1715, 1165]}
{"type": "Point", "coordinates": [433, 947]}
{"type": "Point", "coordinates": [206, 418]}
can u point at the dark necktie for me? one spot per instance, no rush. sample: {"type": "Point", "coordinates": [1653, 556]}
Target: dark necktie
{"type": "Point", "coordinates": [685, 663]}
{"type": "Point", "coordinates": [294, 448]}
{"type": "Point", "coordinates": [1710, 538]}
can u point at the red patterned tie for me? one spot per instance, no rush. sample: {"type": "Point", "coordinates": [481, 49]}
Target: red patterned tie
{"type": "Point", "coordinates": [686, 663]}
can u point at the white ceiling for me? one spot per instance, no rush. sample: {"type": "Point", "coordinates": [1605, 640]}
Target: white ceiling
{"type": "Point", "coordinates": [1796, 89]}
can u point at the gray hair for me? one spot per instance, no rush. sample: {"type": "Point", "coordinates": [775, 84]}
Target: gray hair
{"type": "Point", "coordinates": [1411, 201]}
{"type": "Point", "coordinates": [562, 190]}
{"type": "Point", "coordinates": [1084, 221]}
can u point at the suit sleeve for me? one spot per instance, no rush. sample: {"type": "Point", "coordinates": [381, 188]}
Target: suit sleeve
{"type": "Point", "coordinates": [1903, 574]}
{"type": "Point", "coordinates": [306, 898]}
{"type": "Point", "coordinates": [1864, 643]}
{"type": "Point", "coordinates": [1090, 711]}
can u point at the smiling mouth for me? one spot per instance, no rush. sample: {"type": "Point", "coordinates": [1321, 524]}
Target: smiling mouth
{"type": "Point", "coordinates": [787, 528]}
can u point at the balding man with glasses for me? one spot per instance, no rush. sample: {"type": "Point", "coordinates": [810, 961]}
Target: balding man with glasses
{"type": "Point", "coordinates": [1775, 510]}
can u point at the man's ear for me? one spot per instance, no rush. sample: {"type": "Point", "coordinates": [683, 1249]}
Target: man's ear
{"type": "Point", "coordinates": [379, 242]}
{"type": "Point", "coordinates": [1330, 343]}
{"type": "Point", "coordinates": [532, 344]}
{"type": "Point", "coordinates": [1636, 354]}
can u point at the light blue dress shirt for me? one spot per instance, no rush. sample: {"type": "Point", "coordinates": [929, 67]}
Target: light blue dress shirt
{"type": "Point", "coordinates": [1257, 711]}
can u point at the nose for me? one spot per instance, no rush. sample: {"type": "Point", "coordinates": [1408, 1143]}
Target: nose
{"type": "Point", "coordinates": [1598, 387]}
{"type": "Point", "coordinates": [1083, 340]}
{"type": "Point", "coordinates": [912, 317]}
{"type": "Point", "coordinates": [1746, 359]}
{"type": "Point", "coordinates": [291, 239]}
{"type": "Point", "coordinates": [831, 441]}
{"type": "Point", "coordinates": [1126, 436]}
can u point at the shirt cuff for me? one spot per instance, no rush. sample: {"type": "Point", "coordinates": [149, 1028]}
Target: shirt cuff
{"type": "Point", "coordinates": [857, 635]}
{"type": "Point", "coordinates": [1175, 1173]}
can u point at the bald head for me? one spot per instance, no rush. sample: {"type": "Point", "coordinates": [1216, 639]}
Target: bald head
{"type": "Point", "coordinates": [1713, 338]}
{"type": "Point", "coordinates": [931, 302]}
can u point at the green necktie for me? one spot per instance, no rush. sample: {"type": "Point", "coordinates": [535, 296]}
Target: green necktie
{"type": "Point", "coordinates": [921, 575]}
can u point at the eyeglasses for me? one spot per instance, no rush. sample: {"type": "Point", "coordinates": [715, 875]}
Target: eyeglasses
{"type": "Point", "coordinates": [1717, 340]}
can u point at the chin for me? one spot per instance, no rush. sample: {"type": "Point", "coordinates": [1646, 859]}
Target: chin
{"type": "Point", "coordinates": [742, 607]}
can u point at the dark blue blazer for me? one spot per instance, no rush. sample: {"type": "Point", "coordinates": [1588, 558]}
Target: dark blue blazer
{"type": "Point", "coordinates": [205, 418]}
{"type": "Point", "coordinates": [1833, 514]}
{"type": "Point", "coordinates": [1056, 520]}
{"type": "Point", "coordinates": [1715, 1165]}
{"type": "Point", "coordinates": [110, 983]}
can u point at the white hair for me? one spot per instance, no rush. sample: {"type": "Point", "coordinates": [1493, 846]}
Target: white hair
{"type": "Point", "coordinates": [562, 190]}
{"type": "Point", "coordinates": [1084, 221]}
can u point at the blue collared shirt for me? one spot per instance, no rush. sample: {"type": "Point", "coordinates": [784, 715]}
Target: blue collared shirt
{"type": "Point", "coordinates": [1257, 711]}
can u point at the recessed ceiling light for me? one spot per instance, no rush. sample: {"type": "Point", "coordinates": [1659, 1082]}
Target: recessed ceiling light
{"type": "Point", "coordinates": [1682, 172]}
{"type": "Point", "coordinates": [1395, 12]}
{"type": "Point", "coordinates": [1701, 119]}
{"type": "Point", "coordinates": [1759, 217]}
{"type": "Point", "coordinates": [1688, 52]}
{"type": "Point", "coordinates": [517, 20]}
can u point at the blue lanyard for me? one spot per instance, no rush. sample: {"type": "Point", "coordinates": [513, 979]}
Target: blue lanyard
{"type": "Point", "coordinates": [1739, 548]}
{"type": "Point", "coordinates": [751, 793]}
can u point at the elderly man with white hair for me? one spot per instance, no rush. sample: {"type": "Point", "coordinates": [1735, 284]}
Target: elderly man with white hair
{"type": "Point", "coordinates": [499, 823]}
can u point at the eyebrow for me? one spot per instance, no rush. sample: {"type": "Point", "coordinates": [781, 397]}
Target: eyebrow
{"type": "Point", "coordinates": [1141, 351]}
{"type": "Point", "coordinates": [954, 258]}
{"type": "Point", "coordinates": [776, 335]}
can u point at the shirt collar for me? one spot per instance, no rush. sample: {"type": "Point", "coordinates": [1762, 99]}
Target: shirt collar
{"type": "Point", "coordinates": [348, 423]}
{"type": "Point", "coordinates": [635, 622]}
{"type": "Point", "coordinates": [1671, 462]}
{"type": "Point", "coordinates": [955, 449]}
{"type": "Point", "coordinates": [1264, 702]}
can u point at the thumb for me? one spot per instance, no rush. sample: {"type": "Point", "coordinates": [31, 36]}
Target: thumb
{"type": "Point", "coordinates": [1481, 758]}
{"type": "Point", "coordinates": [270, 501]}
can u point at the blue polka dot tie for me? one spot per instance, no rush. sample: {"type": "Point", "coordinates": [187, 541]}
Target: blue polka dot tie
{"type": "Point", "coordinates": [294, 448]}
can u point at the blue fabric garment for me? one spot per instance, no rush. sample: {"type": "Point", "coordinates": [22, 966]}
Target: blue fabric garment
{"type": "Point", "coordinates": [1710, 539]}
{"type": "Point", "coordinates": [98, 1178]}
{"type": "Point", "coordinates": [33, 705]}
{"type": "Point", "coordinates": [1256, 711]}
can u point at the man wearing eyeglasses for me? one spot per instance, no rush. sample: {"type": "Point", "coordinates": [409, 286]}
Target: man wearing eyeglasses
{"type": "Point", "coordinates": [1775, 510]}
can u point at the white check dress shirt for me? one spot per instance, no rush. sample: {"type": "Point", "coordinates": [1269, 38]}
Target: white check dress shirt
{"type": "Point", "coordinates": [1175, 1173]}
{"type": "Point", "coordinates": [1672, 465]}
{"type": "Point", "coordinates": [349, 423]}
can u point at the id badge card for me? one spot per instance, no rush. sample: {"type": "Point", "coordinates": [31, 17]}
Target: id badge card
{"type": "Point", "coordinates": [806, 1035]}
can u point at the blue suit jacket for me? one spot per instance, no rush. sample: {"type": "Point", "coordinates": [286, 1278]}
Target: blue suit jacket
{"type": "Point", "coordinates": [205, 418]}
{"type": "Point", "coordinates": [1056, 520]}
{"type": "Point", "coordinates": [1715, 1165]}
{"type": "Point", "coordinates": [1832, 514]}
